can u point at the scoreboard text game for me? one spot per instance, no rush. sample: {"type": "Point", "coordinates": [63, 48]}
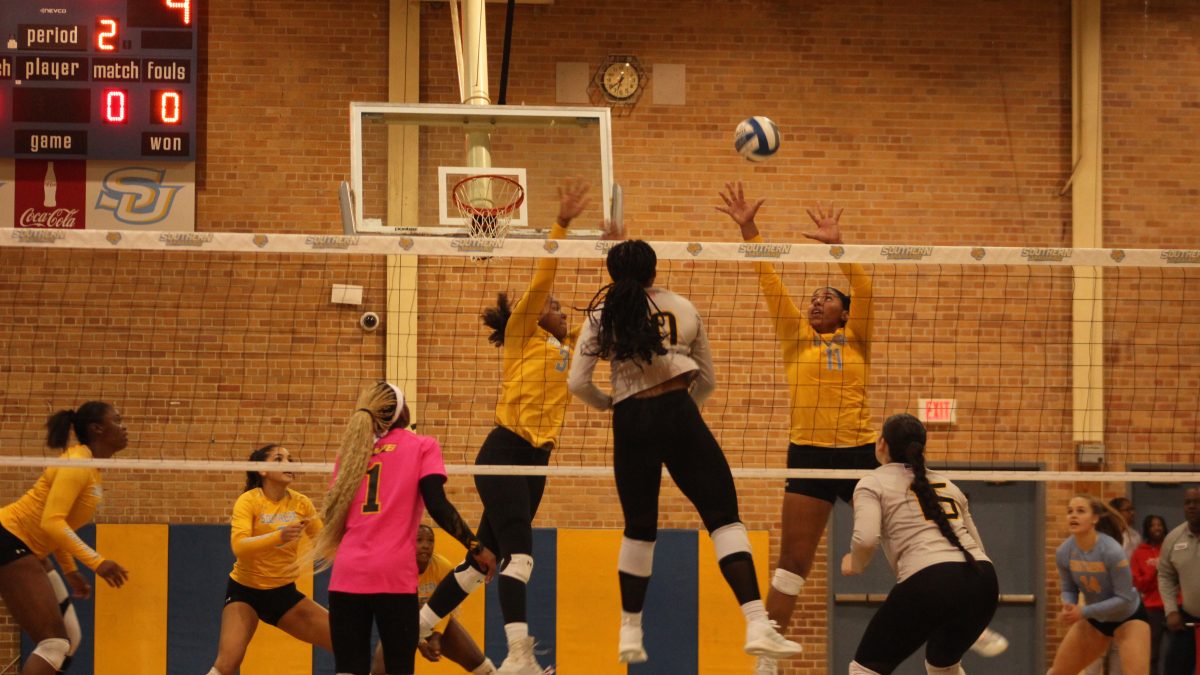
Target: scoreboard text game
{"type": "Point", "coordinates": [98, 79]}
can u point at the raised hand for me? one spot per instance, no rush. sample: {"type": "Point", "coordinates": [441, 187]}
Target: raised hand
{"type": "Point", "coordinates": [826, 219]}
{"type": "Point", "coordinates": [741, 211]}
{"type": "Point", "coordinates": [572, 200]}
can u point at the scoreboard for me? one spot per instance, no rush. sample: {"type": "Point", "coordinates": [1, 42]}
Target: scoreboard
{"type": "Point", "coordinates": [98, 79]}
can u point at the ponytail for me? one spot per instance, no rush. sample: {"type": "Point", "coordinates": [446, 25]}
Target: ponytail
{"type": "Point", "coordinates": [628, 328]}
{"type": "Point", "coordinates": [60, 424]}
{"type": "Point", "coordinates": [253, 478]}
{"type": "Point", "coordinates": [906, 434]}
{"type": "Point", "coordinates": [496, 318]}
{"type": "Point", "coordinates": [1111, 521]}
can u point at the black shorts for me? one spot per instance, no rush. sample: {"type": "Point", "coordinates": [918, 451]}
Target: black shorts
{"type": "Point", "coordinates": [11, 547]}
{"type": "Point", "coordinates": [815, 457]}
{"type": "Point", "coordinates": [1109, 628]}
{"type": "Point", "coordinates": [270, 603]}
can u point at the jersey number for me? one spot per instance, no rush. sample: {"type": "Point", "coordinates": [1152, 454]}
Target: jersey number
{"type": "Point", "coordinates": [951, 510]}
{"type": "Point", "coordinates": [371, 503]}
{"type": "Point", "coordinates": [1089, 583]}
{"type": "Point", "coordinates": [667, 326]}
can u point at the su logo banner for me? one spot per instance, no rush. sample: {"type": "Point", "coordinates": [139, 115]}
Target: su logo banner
{"type": "Point", "coordinates": [137, 195]}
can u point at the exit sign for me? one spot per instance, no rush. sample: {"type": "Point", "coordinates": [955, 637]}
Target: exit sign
{"type": "Point", "coordinates": [937, 410]}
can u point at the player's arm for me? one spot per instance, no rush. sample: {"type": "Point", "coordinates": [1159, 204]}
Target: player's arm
{"type": "Point", "coordinates": [969, 523]}
{"type": "Point", "coordinates": [68, 485]}
{"type": "Point", "coordinates": [528, 311]}
{"type": "Point", "coordinates": [1124, 599]}
{"type": "Point", "coordinates": [705, 381]}
{"type": "Point", "coordinates": [241, 532]}
{"type": "Point", "coordinates": [868, 524]}
{"type": "Point", "coordinates": [1068, 591]}
{"type": "Point", "coordinates": [784, 313]}
{"type": "Point", "coordinates": [861, 321]}
{"type": "Point", "coordinates": [66, 562]}
{"type": "Point", "coordinates": [583, 365]}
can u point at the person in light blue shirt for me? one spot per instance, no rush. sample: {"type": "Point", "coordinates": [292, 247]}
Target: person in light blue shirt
{"type": "Point", "coordinates": [1092, 563]}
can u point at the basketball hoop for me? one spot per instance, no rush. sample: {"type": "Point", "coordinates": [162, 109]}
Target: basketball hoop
{"type": "Point", "coordinates": [487, 203]}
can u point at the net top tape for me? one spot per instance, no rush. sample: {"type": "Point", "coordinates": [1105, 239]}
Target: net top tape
{"type": "Point", "coordinates": [118, 240]}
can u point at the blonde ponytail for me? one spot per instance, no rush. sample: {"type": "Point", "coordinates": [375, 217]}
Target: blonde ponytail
{"type": "Point", "coordinates": [375, 413]}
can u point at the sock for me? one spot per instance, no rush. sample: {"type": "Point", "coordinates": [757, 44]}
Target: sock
{"type": "Point", "coordinates": [754, 611]}
{"type": "Point", "coordinates": [631, 618]}
{"type": "Point", "coordinates": [516, 631]}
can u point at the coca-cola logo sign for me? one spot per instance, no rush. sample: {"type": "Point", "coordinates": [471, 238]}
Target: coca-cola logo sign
{"type": "Point", "coordinates": [57, 219]}
{"type": "Point", "coordinates": [50, 194]}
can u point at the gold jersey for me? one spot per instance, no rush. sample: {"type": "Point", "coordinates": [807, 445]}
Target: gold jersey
{"type": "Point", "coordinates": [255, 535]}
{"type": "Point", "coordinates": [533, 396]}
{"type": "Point", "coordinates": [826, 373]}
{"type": "Point", "coordinates": [63, 500]}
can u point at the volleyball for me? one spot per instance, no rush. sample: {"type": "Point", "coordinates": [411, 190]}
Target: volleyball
{"type": "Point", "coordinates": [756, 138]}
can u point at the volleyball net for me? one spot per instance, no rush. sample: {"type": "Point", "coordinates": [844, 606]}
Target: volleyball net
{"type": "Point", "coordinates": [214, 344]}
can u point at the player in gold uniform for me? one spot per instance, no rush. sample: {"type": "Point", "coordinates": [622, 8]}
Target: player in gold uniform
{"type": "Point", "coordinates": [827, 356]}
{"type": "Point", "coordinates": [268, 520]}
{"type": "Point", "coordinates": [43, 521]}
{"type": "Point", "coordinates": [536, 346]}
{"type": "Point", "coordinates": [453, 641]}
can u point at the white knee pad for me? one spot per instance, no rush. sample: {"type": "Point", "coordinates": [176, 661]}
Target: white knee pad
{"type": "Point", "coordinates": [788, 583]}
{"type": "Point", "coordinates": [214, 671]}
{"type": "Point", "coordinates": [428, 619]}
{"type": "Point", "coordinates": [53, 651]}
{"type": "Point", "coordinates": [955, 669]}
{"type": "Point", "coordinates": [730, 539]}
{"type": "Point", "coordinates": [856, 669]}
{"type": "Point", "coordinates": [485, 668]}
{"type": "Point", "coordinates": [70, 618]}
{"type": "Point", "coordinates": [636, 557]}
{"type": "Point", "coordinates": [468, 578]}
{"type": "Point", "coordinates": [519, 567]}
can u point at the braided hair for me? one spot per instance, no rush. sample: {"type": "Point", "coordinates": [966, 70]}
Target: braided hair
{"type": "Point", "coordinates": [628, 327]}
{"type": "Point", "coordinates": [496, 318]}
{"type": "Point", "coordinates": [905, 436]}
{"type": "Point", "coordinates": [254, 479]}
{"type": "Point", "coordinates": [60, 424]}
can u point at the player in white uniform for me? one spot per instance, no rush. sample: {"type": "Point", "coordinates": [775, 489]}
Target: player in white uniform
{"type": "Point", "coordinates": [661, 371]}
{"type": "Point", "coordinates": [946, 590]}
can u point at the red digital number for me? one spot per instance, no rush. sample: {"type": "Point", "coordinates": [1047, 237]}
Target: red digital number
{"type": "Point", "coordinates": [170, 107]}
{"type": "Point", "coordinates": [114, 106]}
{"type": "Point", "coordinates": [107, 34]}
{"type": "Point", "coordinates": [185, 5]}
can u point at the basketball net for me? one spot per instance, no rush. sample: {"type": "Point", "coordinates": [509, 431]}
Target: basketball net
{"type": "Point", "coordinates": [487, 203]}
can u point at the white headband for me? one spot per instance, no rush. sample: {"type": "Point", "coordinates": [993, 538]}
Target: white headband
{"type": "Point", "coordinates": [399, 402]}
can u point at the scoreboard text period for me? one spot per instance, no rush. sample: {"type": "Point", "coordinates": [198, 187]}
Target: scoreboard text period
{"type": "Point", "coordinates": [98, 79]}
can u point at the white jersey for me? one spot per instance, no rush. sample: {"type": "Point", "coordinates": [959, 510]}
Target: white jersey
{"type": "Point", "coordinates": [687, 352]}
{"type": "Point", "coordinates": [885, 507]}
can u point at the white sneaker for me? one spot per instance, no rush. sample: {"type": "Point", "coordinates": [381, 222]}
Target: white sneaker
{"type": "Point", "coordinates": [990, 643]}
{"type": "Point", "coordinates": [629, 646]}
{"type": "Point", "coordinates": [762, 639]}
{"type": "Point", "coordinates": [766, 666]}
{"type": "Point", "coordinates": [521, 661]}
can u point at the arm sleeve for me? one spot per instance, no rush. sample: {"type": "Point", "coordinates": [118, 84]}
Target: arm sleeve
{"type": "Point", "coordinates": [1168, 577]}
{"type": "Point", "coordinates": [583, 364]}
{"type": "Point", "coordinates": [705, 381]}
{"type": "Point", "coordinates": [65, 561]}
{"type": "Point", "coordinates": [68, 484]}
{"type": "Point", "coordinates": [528, 311]}
{"type": "Point", "coordinates": [314, 526]}
{"type": "Point", "coordinates": [1124, 600]}
{"type": "Point", "coordinates": [784, 313]}
{"type": "Point", "coordinates": [868, 523]}
{"type": "Point", "coordinates": [442, 511]}
{"type": "Point", "coordinates": [969, 523]}
{"type": "Point", "coordinates": [861, 321]}
{"type": "Point", "coordinates": [1068, 590]}
{"type": "Point", "coordinates": [241, 527]}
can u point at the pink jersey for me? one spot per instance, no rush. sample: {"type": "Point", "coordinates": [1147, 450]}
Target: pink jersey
{"type": "Point", "coordinates": [378, 553]}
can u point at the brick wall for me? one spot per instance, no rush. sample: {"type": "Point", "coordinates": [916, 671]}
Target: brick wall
{"type": "Point", "coordinates": [934, 122]}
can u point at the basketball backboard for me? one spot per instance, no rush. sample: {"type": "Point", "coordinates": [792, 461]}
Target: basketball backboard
{"type": "Point", "coordinates": [428, 148]}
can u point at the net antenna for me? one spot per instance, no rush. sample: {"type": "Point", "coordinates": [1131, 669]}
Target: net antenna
{"type": "Point", "coordinates": [486, 203]}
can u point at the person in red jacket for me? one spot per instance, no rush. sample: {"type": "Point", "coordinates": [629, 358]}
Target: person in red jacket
{"type": "Point", "coordinates": [1144, 565]}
